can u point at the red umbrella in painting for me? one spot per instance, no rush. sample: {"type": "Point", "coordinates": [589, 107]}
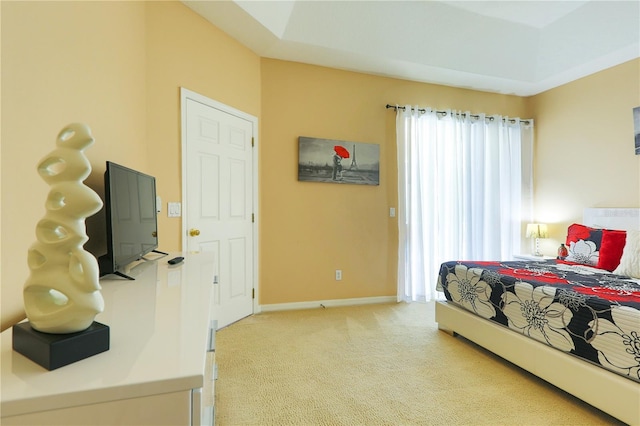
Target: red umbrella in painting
{"type": "Point", "coordinates": [341, 151]}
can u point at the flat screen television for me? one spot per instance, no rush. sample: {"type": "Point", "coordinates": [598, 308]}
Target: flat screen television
{"type": "Point", "coordinates": [131, 218]}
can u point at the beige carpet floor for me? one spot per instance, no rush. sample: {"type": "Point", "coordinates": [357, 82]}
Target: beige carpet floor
{"type": "Point", "coordinates": [384, 364]}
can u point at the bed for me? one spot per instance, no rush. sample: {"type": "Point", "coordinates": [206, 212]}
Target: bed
{"type": "Point", "coordinates": [573, 322]}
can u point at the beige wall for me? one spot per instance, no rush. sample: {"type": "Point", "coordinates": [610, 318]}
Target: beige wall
{"type": "Point", "coordinates": [63, 62]}
{"type": "Point", "coordinates": [118, 67]}
{"type": "Point", "coordinates": [585, 148]}
{"type": "Point", "coordinates": [308, 230]}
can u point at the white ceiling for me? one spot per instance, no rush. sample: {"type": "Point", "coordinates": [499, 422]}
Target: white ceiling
{"type": "Point", "coordinates": [512, 47]}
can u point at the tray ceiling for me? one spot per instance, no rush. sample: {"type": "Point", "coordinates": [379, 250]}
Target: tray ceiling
{"type": "Point", "coordinates": [511, 47]}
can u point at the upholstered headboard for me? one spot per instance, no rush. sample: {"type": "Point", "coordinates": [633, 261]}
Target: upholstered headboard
{"type": "Point", "coordinates": [627, 219]}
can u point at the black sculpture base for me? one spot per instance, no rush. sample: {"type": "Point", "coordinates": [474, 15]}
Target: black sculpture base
{"type": "Point", "coordinates": [57, 350]}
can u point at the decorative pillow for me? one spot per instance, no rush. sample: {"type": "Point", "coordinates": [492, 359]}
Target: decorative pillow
{"type": "Point", "coordinates": [611, 249]}
{"type": "Point", "coordinates": [630, 260]}
{"type": "Point", "coordinates": [583, 243]}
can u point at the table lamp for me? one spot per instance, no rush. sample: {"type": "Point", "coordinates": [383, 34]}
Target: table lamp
{"type": "Point", "coordinates": [536, 230]}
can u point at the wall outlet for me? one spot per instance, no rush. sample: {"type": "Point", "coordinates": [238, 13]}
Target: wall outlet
{"type": "Point", "coordinates": [338, 274]}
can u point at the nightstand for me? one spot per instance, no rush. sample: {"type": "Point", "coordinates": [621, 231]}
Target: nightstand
{"type": "Point", "coordinates": [530, 257]}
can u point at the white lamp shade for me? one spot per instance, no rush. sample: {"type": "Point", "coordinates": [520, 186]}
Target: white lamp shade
{"type": "Point", "coordinates": [536, 230]}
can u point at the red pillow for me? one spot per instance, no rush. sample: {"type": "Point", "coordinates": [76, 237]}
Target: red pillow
{"type": "Point", "coordinates": [577, 232]}
{"type": "Point", "coordinates": [611, 249]}
{"type": "Point", "coordinates": [583, 243]}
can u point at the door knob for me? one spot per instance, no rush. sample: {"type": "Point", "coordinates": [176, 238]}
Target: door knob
{"type": "Point", "coordinates": [194, 232]}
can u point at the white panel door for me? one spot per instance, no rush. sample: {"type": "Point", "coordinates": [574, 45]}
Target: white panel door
{"type": "Point", "coordinates": [219, 203]}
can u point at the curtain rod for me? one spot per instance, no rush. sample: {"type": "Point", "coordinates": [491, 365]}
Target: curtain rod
{"type": "Point", "coordinates": [395, 108]}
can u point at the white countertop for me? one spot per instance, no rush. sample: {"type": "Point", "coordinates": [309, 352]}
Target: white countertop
{"type": "Point", "coordinates": [158, 337]}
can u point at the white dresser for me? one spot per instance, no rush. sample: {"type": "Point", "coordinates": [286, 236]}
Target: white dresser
{"type": "Point", "coordinates": [159, 368]}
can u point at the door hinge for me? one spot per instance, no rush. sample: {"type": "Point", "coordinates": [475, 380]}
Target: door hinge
{"type": "Point", "coordinates": [253, 217]}
{"type": "Point", "coordinates": [253, 293]}
{"type": "Point", "coordinates": [252, 141]}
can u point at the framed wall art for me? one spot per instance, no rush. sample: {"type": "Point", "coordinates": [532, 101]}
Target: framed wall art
{"type": "Point", "coordinates": [335, 161]}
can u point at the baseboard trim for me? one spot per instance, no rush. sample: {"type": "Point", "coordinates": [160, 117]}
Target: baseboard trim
{"type": "Point", "coordinates": [326, 303]}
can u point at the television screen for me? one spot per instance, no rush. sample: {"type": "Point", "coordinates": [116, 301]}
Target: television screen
{"type": "Point", "coordinates": [132, 229]}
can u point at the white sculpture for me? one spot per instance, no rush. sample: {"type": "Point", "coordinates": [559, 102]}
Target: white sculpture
{"type": "Point", "coordinates": [62, 293]}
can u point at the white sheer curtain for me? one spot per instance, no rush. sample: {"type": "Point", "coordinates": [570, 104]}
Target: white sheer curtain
{"type": "Point", "coordinates": [462, 193]}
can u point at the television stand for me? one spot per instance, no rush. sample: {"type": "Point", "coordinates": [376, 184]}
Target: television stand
{"type": "Point", "coordinates": [120, 274]}
{"type": "Point", "coordinates": [155, 258]}
{"type": "Point", "coordinates": [141, 380]}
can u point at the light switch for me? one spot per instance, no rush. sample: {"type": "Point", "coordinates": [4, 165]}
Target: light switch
{"type": "Point", "coordinates": [392, 212]}
{"type": "Point", "coordinates": [174, 209]}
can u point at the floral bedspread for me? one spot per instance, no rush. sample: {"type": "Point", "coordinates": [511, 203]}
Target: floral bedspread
{"type": "Point", "coordinates": [584, 311]}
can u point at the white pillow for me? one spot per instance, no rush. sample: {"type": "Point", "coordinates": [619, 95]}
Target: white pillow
{"type": "Point", "coordinates": [630, 260]}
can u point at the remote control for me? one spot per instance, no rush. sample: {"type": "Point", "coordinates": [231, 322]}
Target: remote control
{"type": "Point", "coordinates": [175, 260]}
